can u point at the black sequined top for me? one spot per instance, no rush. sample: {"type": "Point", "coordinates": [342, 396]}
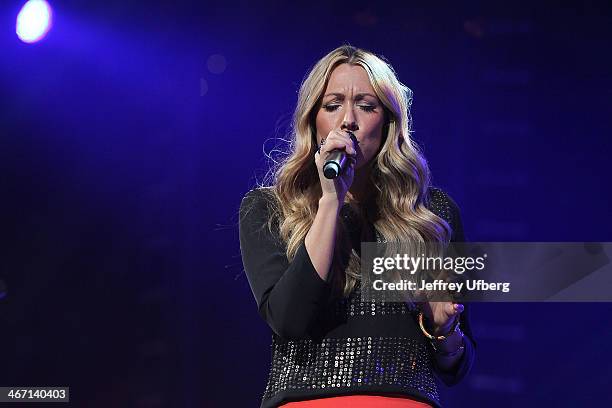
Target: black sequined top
{"type": "Point", "coordinates": [343, 346]}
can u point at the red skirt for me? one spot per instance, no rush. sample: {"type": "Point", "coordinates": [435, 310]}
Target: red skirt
{"type": "Point", "coordinates": [358, 401]}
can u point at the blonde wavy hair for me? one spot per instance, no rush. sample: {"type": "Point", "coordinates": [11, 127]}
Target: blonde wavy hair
{"type": "Point", "coordinates": [400, 173]}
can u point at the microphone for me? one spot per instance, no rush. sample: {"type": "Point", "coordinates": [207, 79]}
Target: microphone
{"type": "Point", "coordinates": [336, 161]}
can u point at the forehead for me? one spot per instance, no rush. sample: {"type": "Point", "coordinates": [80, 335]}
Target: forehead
{"type": "Point", "coordinates": [347, 77]}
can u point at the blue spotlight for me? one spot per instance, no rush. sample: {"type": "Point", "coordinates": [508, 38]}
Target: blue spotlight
{"type": "Point", "coordinates": [34, 21]}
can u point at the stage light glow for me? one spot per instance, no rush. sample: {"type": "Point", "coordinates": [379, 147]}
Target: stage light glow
{"type": "Point", "coordinates": [34, 21]}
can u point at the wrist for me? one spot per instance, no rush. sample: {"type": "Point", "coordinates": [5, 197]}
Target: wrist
{"type": "Point", "coordinates": [445, 330]}
{"type": "Point", "coordinates": [451, 347]}
{"type": "Point", "coordinates": [437, 332]}
{"type": "Point", "coordinates": [330, 200]}
{"type": "Point", "coordinates": [452, 344]}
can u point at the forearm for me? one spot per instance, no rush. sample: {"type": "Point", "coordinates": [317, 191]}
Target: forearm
{"type": "Point", "coordinates": [320, 239]}
{"type": "Point", "coordinates": [288, 293]}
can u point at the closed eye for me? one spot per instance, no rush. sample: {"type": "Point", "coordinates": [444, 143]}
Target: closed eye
{"type": "Point", "coordinates": [333, 107]}
{"type": "Point", "coordinates": [368, 108]}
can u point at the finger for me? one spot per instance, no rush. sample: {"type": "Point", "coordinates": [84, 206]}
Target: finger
{"type": "Point", "coordinates": [454, 308]}
{"type": "Point", "coordinates": [349, 146]}
{"type": "Point", "coordinates": [333, 144]}
{"type": "Point", "coordinates": [351, 140]}
{"type": "Point", "coordinates": [449, 309]}
{"type": "Point", "coordinates": [345, 136]}
{"type": "Point", "coordinates": [339, 136]}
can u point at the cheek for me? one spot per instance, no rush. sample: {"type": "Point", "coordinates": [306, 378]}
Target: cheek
{"type": "Point", "coordinates": [372, 144]}
{"type": "Point", "coordinates": [323, 126]}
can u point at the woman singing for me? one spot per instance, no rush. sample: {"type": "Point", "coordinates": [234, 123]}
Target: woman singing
{"type": "Point", "coordinates": [301, 237]}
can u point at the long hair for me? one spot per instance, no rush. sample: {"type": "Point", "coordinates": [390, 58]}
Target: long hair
{"type": "Point", "coordinates": [400, 173]}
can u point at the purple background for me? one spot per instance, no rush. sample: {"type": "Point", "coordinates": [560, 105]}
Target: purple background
{"type": "Point", "coordinates": [124, 156]}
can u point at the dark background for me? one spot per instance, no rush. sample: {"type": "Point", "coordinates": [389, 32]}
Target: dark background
{"type": "Point", "coordinates": [129, 135]}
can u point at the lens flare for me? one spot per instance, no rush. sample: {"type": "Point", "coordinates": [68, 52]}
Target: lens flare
{"type": "Point", "coordinates": [34, 21]}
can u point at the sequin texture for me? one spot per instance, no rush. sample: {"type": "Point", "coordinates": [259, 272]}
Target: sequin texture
{"type": "Point", "coordinates": [353, 362]}
{"type": "Point", "coordinates": [315, 366]}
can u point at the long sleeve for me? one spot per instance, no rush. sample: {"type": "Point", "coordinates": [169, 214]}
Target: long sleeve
{"type": "Point", "coordinates": [288, 294]}
{"type": "Point", "coordinates": [467, 359]}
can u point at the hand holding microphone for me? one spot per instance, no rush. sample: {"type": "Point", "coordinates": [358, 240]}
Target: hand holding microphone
{"type": "Point", "coordinates": [335, 160]}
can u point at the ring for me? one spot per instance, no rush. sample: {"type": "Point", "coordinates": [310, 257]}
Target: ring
{"type": "Point", "coordinates": [319, 147]}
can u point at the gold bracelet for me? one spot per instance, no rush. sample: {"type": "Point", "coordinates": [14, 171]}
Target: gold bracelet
{"type": "Point", "coordinates": [439, 338]}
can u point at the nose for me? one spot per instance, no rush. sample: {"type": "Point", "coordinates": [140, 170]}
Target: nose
{"type": "Point", "coordinates": [352, 126]}
{"type": "Point", "coordinates": [348, 122]}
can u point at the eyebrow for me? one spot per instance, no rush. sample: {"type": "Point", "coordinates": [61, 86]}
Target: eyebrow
{"type": "Point", "coordinates": [358, 96]}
